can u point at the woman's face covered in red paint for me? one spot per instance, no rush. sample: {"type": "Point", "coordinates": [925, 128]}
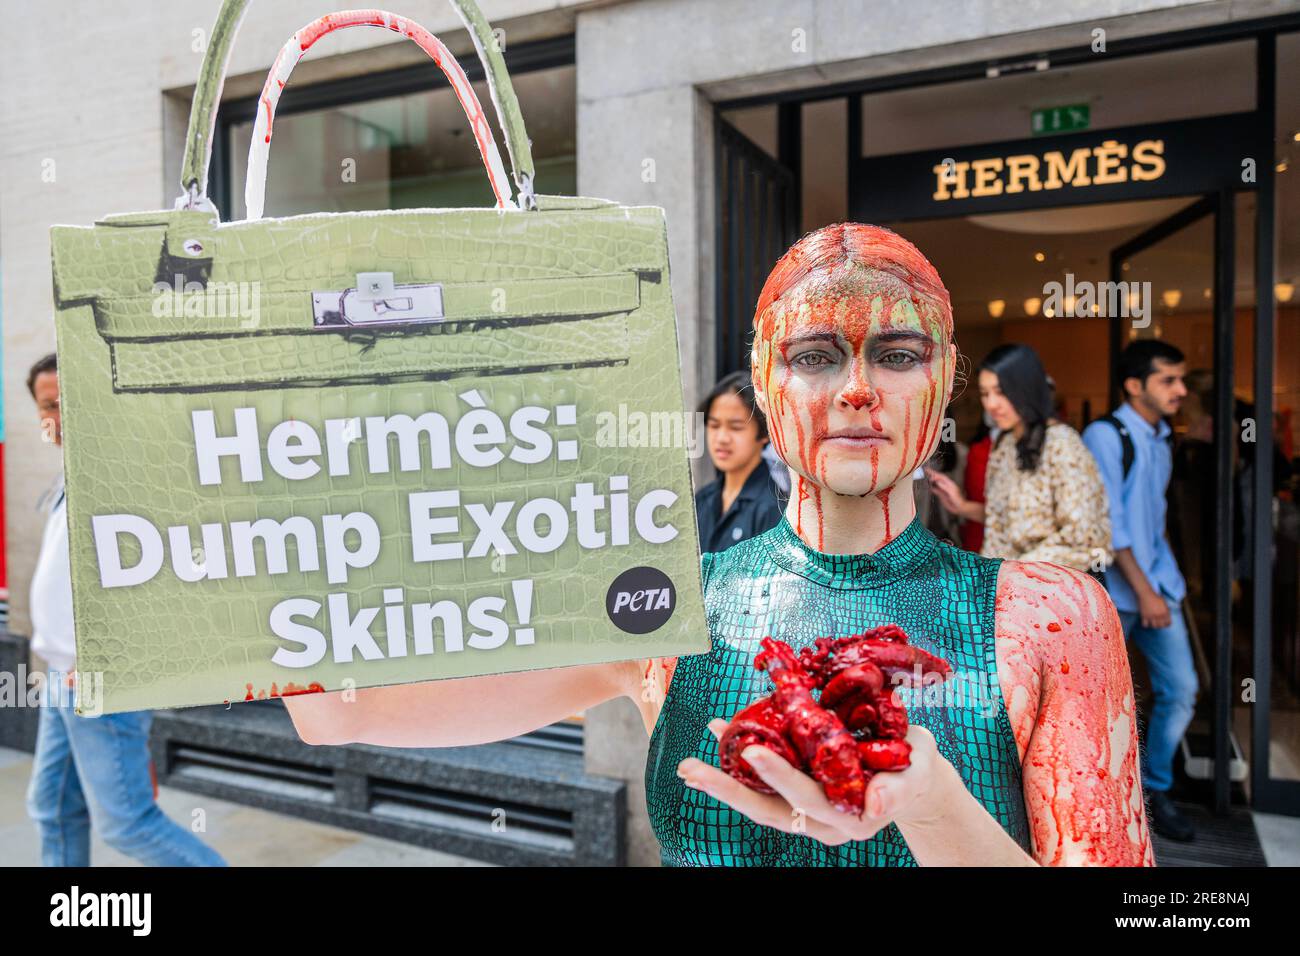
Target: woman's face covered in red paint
{"type": "Point", "coordinates": [854, 369]}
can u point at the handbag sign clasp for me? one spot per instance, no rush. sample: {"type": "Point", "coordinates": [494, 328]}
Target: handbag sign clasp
{"type": "Point", "coordinates": [376, 301]}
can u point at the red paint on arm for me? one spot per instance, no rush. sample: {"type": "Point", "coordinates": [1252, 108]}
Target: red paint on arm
{"type": "Point", "coordinates": [656, 675]}
{"type": "Point", "coordinates": [1069, 695]}
{"type": "Point", "coordinates": [660, 670]}
{"type": "Point", "coordinates": [290, 689]}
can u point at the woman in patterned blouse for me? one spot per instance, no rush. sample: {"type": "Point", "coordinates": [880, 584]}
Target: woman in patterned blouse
{"type": "Point", "coordinates": [1045, 500]}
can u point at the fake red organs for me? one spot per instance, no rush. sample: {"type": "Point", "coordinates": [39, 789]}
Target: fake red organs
{"type": "Point", "coordinates": [852, 731]}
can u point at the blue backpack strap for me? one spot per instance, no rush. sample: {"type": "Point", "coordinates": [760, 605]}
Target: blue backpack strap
{"type": "Point", "coordinates": [1126, 440]}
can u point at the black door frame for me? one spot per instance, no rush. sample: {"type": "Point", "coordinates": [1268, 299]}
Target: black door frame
{"type": "Point", "coordinates": [1267, 793]}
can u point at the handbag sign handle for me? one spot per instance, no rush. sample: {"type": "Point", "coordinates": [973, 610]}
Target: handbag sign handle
{"type": "Point", "coordinates": [207, 95]}
{"type": "Point", "coordinates": [260, 146]}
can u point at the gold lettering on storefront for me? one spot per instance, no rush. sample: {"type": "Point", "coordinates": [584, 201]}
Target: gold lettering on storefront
{"type": "Point", "coordinates": [1108, 163]}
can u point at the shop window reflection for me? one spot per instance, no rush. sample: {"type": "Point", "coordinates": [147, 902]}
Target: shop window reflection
{"type": "Point", "coordinates": [406, 152]}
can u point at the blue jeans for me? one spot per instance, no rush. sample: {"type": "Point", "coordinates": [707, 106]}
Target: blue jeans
{"type": "Point", "coordinates": [98, 767]}
{"type": "Point", "coordinates": [1173, 683]}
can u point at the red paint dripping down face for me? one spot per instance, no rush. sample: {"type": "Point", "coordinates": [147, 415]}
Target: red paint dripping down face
{"type": "Point", "coordinates": [853, 358]}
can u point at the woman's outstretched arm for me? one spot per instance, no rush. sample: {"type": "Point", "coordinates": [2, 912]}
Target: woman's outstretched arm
{"type": "Point", "coordinates": [1064, 672]}
{"type": "Point", "coordinates": [461, 711]}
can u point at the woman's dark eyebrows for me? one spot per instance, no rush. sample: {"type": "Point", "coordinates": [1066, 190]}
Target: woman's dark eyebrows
{"type": "Point", "coordinates": [794, 340]}
{"type": "Point", "coordinates": [900, 335]}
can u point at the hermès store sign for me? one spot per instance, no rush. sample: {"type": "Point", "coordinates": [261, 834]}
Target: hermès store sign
{"type": "Point", "coordinates": [1107, 165]}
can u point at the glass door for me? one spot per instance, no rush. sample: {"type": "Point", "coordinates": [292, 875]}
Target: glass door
{"type": "Point", "coordinates": [1179, 276]}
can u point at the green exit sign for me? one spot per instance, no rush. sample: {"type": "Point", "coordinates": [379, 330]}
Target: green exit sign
{"type": "Point", "coordinates": [1060, 119]}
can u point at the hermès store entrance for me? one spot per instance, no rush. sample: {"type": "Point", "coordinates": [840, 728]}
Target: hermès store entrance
{"type": "Point", "coordinates": [1076, 203]}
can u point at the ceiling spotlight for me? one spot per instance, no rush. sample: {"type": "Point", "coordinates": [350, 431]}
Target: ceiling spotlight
{"type": "Point", "coordinates": [996, 307]}
{"type": "Point", "coordinates": [1171, 298]}
{"type": "Point", "coordinates": [1031, 306]}
{"type": "Point", "coordinates": [1284, 291]}
{"type": "Point", "coordinates": [1039, 257]}
{"type": "Point", "coordinates": [1281, 167]}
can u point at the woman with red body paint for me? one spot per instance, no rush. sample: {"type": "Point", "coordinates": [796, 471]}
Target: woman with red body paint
{"type": "Point", "coordinates": [853, 365]}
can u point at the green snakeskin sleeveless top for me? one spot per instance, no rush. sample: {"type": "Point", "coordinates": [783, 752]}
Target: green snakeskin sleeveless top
{"type": "Point", "coordinates": [774, 584]}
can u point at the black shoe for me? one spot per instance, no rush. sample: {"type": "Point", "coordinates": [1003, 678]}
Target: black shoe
{"type": "Point", "coordinates": [1167, 820]}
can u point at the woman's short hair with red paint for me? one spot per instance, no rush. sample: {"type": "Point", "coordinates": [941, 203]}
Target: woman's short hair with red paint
{"type": "Point", "coordinates": [834, 252]}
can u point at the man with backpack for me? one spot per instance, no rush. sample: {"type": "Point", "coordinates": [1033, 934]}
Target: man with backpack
{"type": "Point", "coordinates": [1132, 448]}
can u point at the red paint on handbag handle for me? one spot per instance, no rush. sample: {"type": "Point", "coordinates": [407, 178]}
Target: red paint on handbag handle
{"type": "Point", "coordinates": [308, 35]}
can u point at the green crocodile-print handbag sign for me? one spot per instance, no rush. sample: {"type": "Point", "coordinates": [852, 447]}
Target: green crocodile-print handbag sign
{"type": "Point", "coordinates": [353, 449]}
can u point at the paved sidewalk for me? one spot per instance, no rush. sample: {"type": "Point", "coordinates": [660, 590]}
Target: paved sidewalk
{"type": "Point", "coordinates": [1280, 838]}
{"type": "Point", "coordinates": [249, 837]}
{"type": "Point", "coordinates": [243, 835]}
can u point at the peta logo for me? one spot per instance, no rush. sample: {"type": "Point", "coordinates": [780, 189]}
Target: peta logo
{"type": "Point", "coordinates": [640, 600]}
{"type": "Point", "coordinates": [102, 909]}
